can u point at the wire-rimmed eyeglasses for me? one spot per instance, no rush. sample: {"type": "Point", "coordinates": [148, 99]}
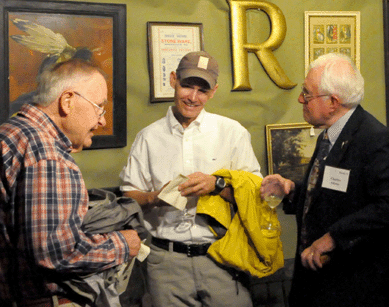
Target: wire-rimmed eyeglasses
{"type": "Point", "coordinates": [307, 97]}
{"type": "Point", "coordinates": [98, 107]}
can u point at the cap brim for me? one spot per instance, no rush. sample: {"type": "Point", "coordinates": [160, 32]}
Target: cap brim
{"type": "Point", "coordinates": [187, 73]}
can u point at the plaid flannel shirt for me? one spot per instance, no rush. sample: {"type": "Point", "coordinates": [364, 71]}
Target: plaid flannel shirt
{"type": "Point", "coordinates": [43, 200]}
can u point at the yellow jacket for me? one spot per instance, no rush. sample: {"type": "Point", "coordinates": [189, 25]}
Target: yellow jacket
{"type": "Point", "coordinates": [244, 246]}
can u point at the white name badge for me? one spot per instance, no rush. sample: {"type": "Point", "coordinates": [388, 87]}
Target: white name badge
{"type": "Point", "coordinates": [335, 178]}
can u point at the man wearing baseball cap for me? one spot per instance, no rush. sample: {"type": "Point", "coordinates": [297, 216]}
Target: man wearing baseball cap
{"type": "Point", "coordinates": [185, 148]}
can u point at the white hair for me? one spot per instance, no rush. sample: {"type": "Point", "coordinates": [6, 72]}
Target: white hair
{"type": "Point", "coordinates": [340, 77]}
{"type": "Point", "coordinates": [60, 77]}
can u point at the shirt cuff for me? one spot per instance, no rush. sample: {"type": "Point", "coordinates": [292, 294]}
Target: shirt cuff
{"type": "Point", "coordinates": [121, 247]}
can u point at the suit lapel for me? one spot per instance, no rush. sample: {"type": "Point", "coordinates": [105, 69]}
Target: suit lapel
{"type": "Point", "coordinates": [339, 149]}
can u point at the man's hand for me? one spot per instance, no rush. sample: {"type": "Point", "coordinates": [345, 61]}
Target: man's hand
{"type": "Point", "coordinates": [133, 241]}
{"type": "Point", "coordinates": [198, 184]}
{"type": "Point", "coordinates": [276, 185]}
{"type": "Point", "coordinates": [315, 256]}
{"type": "Point", "coordinates": [157, 202]}
{"type": "Point", "coordinates": [147, 200]}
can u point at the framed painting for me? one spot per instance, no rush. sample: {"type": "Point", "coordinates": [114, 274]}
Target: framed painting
{"type": "Point", "coordinates": [290, 148]}
{"type": "Point", "coordinates": [35, 34]}
{"type": "Point", "coordinates": [168, 42]}
{"type": "Point", "coordinates": [332, 31]}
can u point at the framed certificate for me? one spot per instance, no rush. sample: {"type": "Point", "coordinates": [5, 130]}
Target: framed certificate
{"type": "Point", "coordinates": [168, 42]}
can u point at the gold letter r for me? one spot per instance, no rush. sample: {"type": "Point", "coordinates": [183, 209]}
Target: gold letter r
{"type": "Point", "coordinates": [263, 51]}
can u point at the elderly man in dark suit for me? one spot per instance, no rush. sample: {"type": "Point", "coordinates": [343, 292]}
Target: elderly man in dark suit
{"type": "Point", "coordinates": [342, 206]}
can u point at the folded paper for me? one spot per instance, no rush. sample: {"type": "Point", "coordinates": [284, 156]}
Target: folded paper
{"type": "Point", "coordinates": [172, 196]}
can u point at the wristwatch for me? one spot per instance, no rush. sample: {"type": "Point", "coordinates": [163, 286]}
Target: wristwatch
{"type": "Point", "coordinates": [220, 184]}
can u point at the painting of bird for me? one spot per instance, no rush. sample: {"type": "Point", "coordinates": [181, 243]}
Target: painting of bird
{"type": "Point", "coordinates": [53, 45]}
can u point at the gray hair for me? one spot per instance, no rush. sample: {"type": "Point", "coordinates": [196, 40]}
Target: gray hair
{"type": "Point", "coordinates": [59, 77]}
{"type": "Point", "coordinates": [340, 77]}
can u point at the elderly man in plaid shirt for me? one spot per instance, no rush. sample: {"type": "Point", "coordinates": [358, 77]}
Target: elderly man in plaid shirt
{"type": "Point", "coordinates": [43, 198]}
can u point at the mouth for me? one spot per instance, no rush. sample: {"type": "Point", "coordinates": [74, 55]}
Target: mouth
{"type": "Point", "coordinates": [191, 105]}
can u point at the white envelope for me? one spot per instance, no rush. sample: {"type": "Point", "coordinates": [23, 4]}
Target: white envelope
{"type": "Point", "coordinates": [144, 251]}
{"type": "Point", "coordinates": [172, 196]}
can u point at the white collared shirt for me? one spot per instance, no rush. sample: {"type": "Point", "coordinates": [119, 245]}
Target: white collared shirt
{"type": "Point", "coordinates": [164, 149]}
{"type": "Point", "coordinates": [335, 130]}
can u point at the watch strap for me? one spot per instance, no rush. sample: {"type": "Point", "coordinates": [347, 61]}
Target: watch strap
{"type": "Point", "coordinates": [220, 184]}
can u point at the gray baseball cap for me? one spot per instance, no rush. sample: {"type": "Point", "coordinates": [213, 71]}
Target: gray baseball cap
{"type": "Point", "coordinates": [199, 64]}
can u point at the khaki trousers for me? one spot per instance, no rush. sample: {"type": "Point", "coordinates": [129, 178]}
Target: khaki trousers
{"type": "Point", "coordinates": [174, 279]}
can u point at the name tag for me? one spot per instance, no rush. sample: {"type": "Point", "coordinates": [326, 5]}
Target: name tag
{"type": "Point", "coordinates": [335, 178]}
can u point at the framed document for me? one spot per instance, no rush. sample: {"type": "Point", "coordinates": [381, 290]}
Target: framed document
{"type": "Point", "coordinates": [332, 31]}
{"type": "Point", "coordinates": [168, 42]}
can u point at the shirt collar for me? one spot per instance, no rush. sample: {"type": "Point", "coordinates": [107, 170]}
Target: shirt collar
{"type": "Point", "coordinates": [175, 124]}
{"type": "Point", "coordinates": [335, 130]}
{"type": "Point", "coordinates": [40, 118]}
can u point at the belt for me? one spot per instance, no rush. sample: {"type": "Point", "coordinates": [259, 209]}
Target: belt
{"type": "Point", "coordinates": [191, 250]}
{"type": "Point", "coordinates": [44, 302]}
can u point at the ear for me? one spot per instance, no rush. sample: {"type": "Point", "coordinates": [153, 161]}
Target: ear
{"type": "Point", "coordinates": [66, 103]}
{"type": "Point", "coordinates": [213, 91]}
{"type": "Point", "coordinates": [335, 102]}
{"type": "Point", "coordinates": [173, 79]}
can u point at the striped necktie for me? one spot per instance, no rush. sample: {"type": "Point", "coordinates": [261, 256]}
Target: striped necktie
{"type": "Point", "coordinates": [324, 149]}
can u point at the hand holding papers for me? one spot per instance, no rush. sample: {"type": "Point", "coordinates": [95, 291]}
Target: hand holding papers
{"type": "Point", "coordinates": [172, 196]}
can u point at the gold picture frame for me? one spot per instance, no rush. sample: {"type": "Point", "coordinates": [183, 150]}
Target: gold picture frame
{"type": "Point", "coordinates": [290, 148]}
{"type": "Point", "coordinates": [332, 31]}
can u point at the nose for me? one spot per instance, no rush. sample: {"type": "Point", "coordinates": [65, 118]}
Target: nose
{"type": "Point", "coordinates": [102, 122]}
{"type": "Point", "coordinates": [301, 99]}
{"type": "Point", "coordinates": [193, 96]}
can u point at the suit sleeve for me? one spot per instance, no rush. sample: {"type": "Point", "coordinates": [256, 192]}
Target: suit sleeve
{"type": "Point", "coordinates": [372, 217]}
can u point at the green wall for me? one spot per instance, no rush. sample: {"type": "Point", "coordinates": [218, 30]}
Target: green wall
{"type": "Point", "coordinates": [265, 104]}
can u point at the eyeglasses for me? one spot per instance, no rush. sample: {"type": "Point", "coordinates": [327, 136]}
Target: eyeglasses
{"type": "Point", "coordinates": [98, 107]}
{"type": "Point", "coordinates": [307, 97]}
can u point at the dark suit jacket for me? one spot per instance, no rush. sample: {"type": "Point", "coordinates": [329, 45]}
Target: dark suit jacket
{"type": "Point", "coordinates": [357, 219]}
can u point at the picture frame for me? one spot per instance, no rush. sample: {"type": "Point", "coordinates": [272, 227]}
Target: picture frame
{"type": "Point", "coordinates": [91, 31]}
{"type": "Point", "coordinates": [386, 54]}
{"type": "Point", "coordinates": [332, 31]}
{"type": "Point", "coordinates": [290, 148]}
{"type": "Point", "coordinates": [168, 42]}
